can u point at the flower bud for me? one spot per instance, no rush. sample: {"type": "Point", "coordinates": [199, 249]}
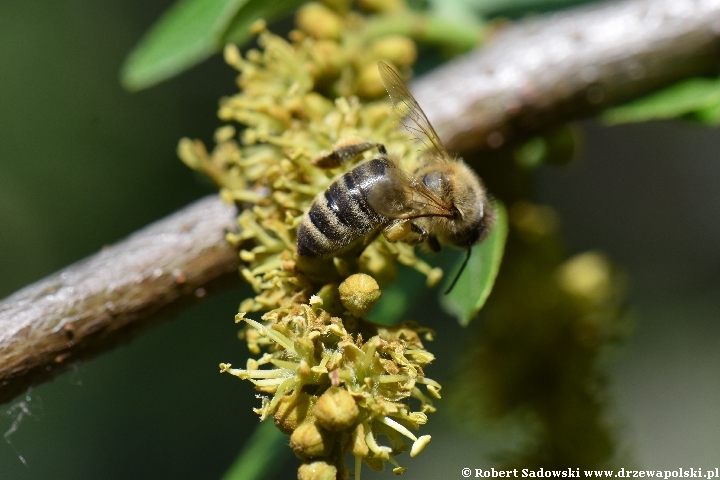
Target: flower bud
{"type": "Point", "coordinates": [336, 409]}
{"type": "Point", "coordinates": [586, 276]}
{"type": "Point", "coordinates": [316, 106]}
{"type": "Point", "coordinates": [358, 293]}
{"type": "Point", "coordinates": [533, 222]}
{"type": "Point", "coordinates": [310, 441]}
{"type": "Point", "coordinates": [397, 49]}
{"type": "Point", "coordinates": [317, 471]}
{"type": "Point", "coordinates": [319, 21]}
{"type": "Point", "coordinates": [369, 83]}
{"type": "Point", "coordinates": [328, 57]}
{"type": "Point", "coordinates": [292, 410]}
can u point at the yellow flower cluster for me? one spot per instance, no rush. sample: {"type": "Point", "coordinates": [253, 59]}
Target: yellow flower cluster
{"type": "Point", "coordinates": [334, 381]}
{"type": "Point", "coordinates": [333, 391]}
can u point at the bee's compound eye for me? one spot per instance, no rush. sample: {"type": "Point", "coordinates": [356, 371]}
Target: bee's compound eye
{"type": "Point", "coordinates": [433, 181]}
{"type": "Point", "coordinates": [455, 212]}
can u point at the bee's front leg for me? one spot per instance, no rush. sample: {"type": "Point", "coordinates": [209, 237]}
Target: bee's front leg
{"type": "Point", "coordinates": [418, 235]}
{"type": "Point", "coordinates": [406, 231]}
{"type": "Point", "coordinates": [432, 243]}
{"type": "Point", "coordinates": [397, 230]}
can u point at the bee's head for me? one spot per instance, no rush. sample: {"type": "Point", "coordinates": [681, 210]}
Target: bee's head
{"type": "Point", "coordinates": [475, 230]}
{"type": "Point", "coordinates": [458, 186]}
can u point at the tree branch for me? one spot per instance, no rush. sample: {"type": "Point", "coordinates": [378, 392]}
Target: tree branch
{"type": "Point", "coordinates": [547, 71]}
{"type": "Point", "coordinates": [107, 298]}
{"type": "Point", "coordinates": [534, 75]}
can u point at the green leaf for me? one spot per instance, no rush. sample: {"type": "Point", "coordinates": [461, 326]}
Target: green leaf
{"type": "Point", "coordinates": [190, 32]}
{"type": "Point", "coordinates": [476, 282]}
{"type": "Point", "coordinates": [265, 452]}
{"type": "Point", "coordinates": [681, 99]}
{"type": "Point", "coordinates": [709, 116]}
{"type": "Point", "coordinates": [186, 34]}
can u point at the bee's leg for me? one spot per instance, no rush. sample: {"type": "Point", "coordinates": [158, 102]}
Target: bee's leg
{"type": "Point", "coordinates": [420, 231]}
{"type": "Point", "coordinates": [397, 230]}
{"type": "Point", "coordinates": [433, 243]}
{"type": "Point", "coordinates": [415, 235]}
{"type": "Point", "coordinates": [345, 153]}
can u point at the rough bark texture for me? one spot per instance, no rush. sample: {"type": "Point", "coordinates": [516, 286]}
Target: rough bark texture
{"type": "Point", "coordinates": [573, 64]}
{"type": "Point", "coordinates": [534, 75]}
{"type": "Point", "coordinates": [102, 300]}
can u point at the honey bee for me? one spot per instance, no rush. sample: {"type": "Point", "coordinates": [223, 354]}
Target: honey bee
{"type": "Point", "coordinates": [443, 202]}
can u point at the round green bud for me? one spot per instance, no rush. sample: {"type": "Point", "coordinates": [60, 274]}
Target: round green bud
{"type": "Point", "coordinates": [319, 21]}
{"type": "Point", "coordinates": [310, 441]}
{"type": "Point", "coordinates": [317, 471]}
{"type": "Point", "coordinates": [358, 293]}
{"type": "Point", "coordinates": [336, 409]}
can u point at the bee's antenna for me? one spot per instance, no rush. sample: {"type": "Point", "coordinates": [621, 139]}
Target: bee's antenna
{"type": "Point", "coordinates": [457, 275]}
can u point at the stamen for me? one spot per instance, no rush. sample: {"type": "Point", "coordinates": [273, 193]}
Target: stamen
{"type": "Point", "coordinates": [284, 387]}
{"type": "Point", "coordinates": [371, 345]}
{"type": "Point", "coordinates": [285, 364]}
{"type": "Point", "coordinates": [272, 263]}
{"type": "Point", "coordinates": [379, 451]}
{"type": "Point", "coordinates": [396, 426]}
{"type": "Point", "coordinates": [274, 373]}
{"type": "Point", "coordinates": [432, 386]}
{"type": "Point", "coordinates": [398, 470]}
{"type": "Point", "coordinates": [274, 335]}
{"type": "Point", "coordinates": [419, 445]}
{"type": "Point", "coordinates": [266, 383]}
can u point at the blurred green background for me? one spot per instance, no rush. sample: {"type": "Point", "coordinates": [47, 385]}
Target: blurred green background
{"type": "Point", "coordinates": [84, 163]}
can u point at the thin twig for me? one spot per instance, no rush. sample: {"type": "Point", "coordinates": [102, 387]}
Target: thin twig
{"type": "Point", "coordinates": [534, 75]}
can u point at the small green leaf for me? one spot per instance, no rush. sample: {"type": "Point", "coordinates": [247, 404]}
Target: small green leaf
{"type": "Point", "coordinates": [264, 453]}
{"type": "Point", "coordinates": [476, 282]}
{"type": "Point", "coordinates": [186, 34]}
{"type": "Point", "coordinates": [681, 99]}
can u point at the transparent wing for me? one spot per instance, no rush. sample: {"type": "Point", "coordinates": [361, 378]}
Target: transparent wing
{"type": "Point", "coordinates": [397, 195]}
{"type": "Point", "coordinates": [416, 121]}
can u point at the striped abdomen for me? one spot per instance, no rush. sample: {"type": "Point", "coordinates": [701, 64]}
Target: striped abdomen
{"type": "Point", "coordinates": [341, 216]}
